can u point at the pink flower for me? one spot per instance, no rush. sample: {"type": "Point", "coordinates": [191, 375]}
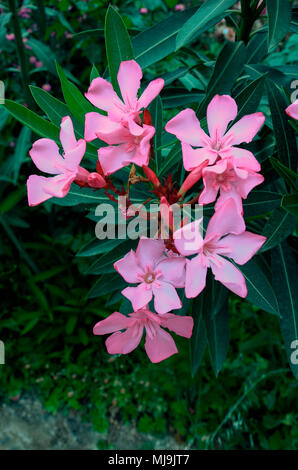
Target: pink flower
{"type": "Point", "coordinates": [221, 144]}
{"type": "Point", "coordinates": [292, 110]}
{"type": "Point", "coordinates": [159, 344]}
{"type": "Point", "coordinates": [131, 148]}
{"type": "Point", "coordinates": [10, 37]}
{"type": "Point", "coordinates": [46, 87]}
{"type": "Point", "coordinates": [143, 11]}
{"type": "Point", "coordinates": [45, 154]}
{"type": "Point", "coordinates": [232, 182]}
{"type": "Point", "coordinates": [155, 274]}
{"type": "Point", "coordinates": [225, 237]}
{"type": "Point", "coordinates": [38, 64]}
{"type": "Point", "coordinates": [180, 7]}
{"type": "Point", "coordinates": [32, 59]}
{"type": "Point", "coordinates": [126, 112]}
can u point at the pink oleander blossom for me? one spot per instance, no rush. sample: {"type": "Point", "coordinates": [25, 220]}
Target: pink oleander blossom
{"type": "Point", "coordinates": [156, 275]}
{"type": "Point", "coordinates": [45, 155]}
{"type": "Point", "coordinates": [221, 143]}
{"type": "Point", "coordinates": [225, 237]}
{"type": "Point", "coordinates": [159, 344]}
{"type": "Point", "coordinates": [228, 179]}
{"type": "Point", "coordinates": [292, 110]}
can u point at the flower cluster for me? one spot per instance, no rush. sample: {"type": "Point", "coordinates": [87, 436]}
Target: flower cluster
{"type": "Point", "coordinates": [160, 266]}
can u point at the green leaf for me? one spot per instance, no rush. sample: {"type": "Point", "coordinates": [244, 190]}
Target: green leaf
{"type": "Point", "coordinates": [44, 54]}
{"type": "Point", "coordinates": [118, 45]}
{"type": "Point", "coordinates": [76, 102]}
{"type": "Point", "coordinates": [158, 42]}
{"type": "Point", "coordinates": [284, 133]}
{"type": "Point", "coordinates": [288, 175]}
{"type": "Point", "coordinates": [97, 247]}
{"type": "Point", "coordinates": [285, 282]}
{"type": "Point", "coordinates": [198, 341]}
{"type": "Point", "coordinates": [257, 48]}
{"type": "Point", "coordinates": [249, 98]}
{"type": "Point", "coordinates": [94, 73]}
{"type": "Point", "coordinates": [33, 121]}
{"type": "Point", "coordinates": [259, 289]}
{"type": "Point", "coordinates": [104, 264]}
{"type": "Point", "coordinates": [218, 335]}
{"type": "Point", "coordinates": [173, 157]}
{"type": "Point", "coordinates": [290, 203]}
{"type": "Point", "coordinates": [77, 195]}
{"type": "Point", "coordinates": [173, 97]}
{"type": "Point", "coordinates": [106, 284]}
{"type": "Point", "coordinates": [280, 225]}
{"type": "Point", "coordinates": [155, 110]}
{"type": "Point", "coordinates": [260, 202]}
{"type": "Point", "coordinates": [228, 67]}
{"type": "Point", "coordinates": [210, 10]}
{"type": "Point", "coordinates": [20, 153]}
{"type": "Point", "coordinates": [279, 18]}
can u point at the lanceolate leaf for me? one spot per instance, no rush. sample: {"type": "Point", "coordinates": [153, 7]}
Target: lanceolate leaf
{"type": "Point", "coordinates": [106, 284]}
{"type": "Point", "coordinates": [211, 9]}
{"type": "Point", "coordinates": [77, 195]}
{"type": "Point", "coordinates": [260, 202]}
{"type": "Point", "coordinates": [259, 289]}
{"type": "Point", "coordinates": [33, 121]}
{"type": "Point", "coordinates": [288, 175]}
{"type": "Point", "coordinates": [198, 340]}
{"type": "Point", "coordinates": [104, 264]}
{"type": "Point", "coordinates": [227, 68]}
{"type": "Point", "coordinates": [257, 48]}
{"type": "Point", "coordinates": [155, 109]}
{"type": "Point", "coordinates": [279, 18]}
{"type": "Point", "coordinates": [284, 133]}
{"type": "Point", "coordinates": [97, 247]}
{"type": "Point", "coordinates": [279, 226]}
{"type": "Point", "coordinates": [249, 98]}
{"type": "Point", "coordinates": [156, 43]}
{"type": "Point", "coordinates": [118, 45]}
{"type": "Point", "coordinates": [290, 203]}
{"type": "Point", "coordinates": [285, 282]}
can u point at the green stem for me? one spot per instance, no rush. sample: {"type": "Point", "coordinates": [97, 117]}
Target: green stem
{"type": "Point", "coordinates": [41, 18]}
{"type": "Point", "coordinates": [21, 52]}
{"type": "Point", "coordinates": [247, 21]}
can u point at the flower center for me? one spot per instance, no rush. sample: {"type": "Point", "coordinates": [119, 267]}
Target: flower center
{"type": "Point", "coordinates": [149, 278]}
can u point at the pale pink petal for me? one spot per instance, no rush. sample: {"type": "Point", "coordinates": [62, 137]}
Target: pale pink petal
{"type": "Point", "coordinates": [95, 180]}
{"type": "Point", "coordinates": [124, 343]}
{"type": "Point", "coordinates": [67, 136]}
{"type": "Point", "coordinates": [46, 157]}
{"type": "Point", "coordinates": [101, 94]}
{"type": "Point", "coordinates": [221, 110]}
{"type": "Point", "coordinates": [115, 322]}
{"type": "Point", "coordinates": [292, 110]}
{"type": "Point", "coordinates": [226, 220]}
{"type": "Point", "coordinates": [35, 190]}
{"type": "Point", "coordinates": [188, 239]}
{"type": "Point", "coordinates": [129, 79]}
{"type": "Point", "coordinates": [134, 128]}
{"type": "Point", "coordinates": [246, 185]}
{"type": "Point", "coordinates": [73, 157]}
{"type": "Point", "coordinates": [233, 193]}
{"type": "Point", "coordinates": [244, 159]}
{"type": "Point", "coordinates": [186, 127]}
{"type": "Point", "coordinates": [182, 326]}
{"type": "Point", "coordinates": [245, 129]}
{"type": "Point", "coordinates": [242, 247]}
{"type": "Point", "coordinates": [160, 346]}
{"type": "Point", "coordinates": [58, 186]}
{"type": "Point", "coordinates": [114, 158]}
{"type": "Point", "coordinates": [149, 252]}
{"type": "Point", "coordinates": [230, 276]}
{"type": "Point", "coordinates": [128, 267]}
{"type": "Point", "coordinates": [192, 158]}
{"type": "Point", "coordinates": [139, 296]}
{"type": "Point", "coordinates": [173, 270]}
{"type": "Point", "coordinates": [165, 297]}
{"type": "Point", "coordinates": [195, 281]}
{"type": "Point", "coordinates": [102, 127]}
{"type": "Point", "coordinates": [151, 92]}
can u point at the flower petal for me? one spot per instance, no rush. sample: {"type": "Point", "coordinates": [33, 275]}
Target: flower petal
{"type": "Point", "coordinates": [151, 92]}
{"type": "Point", "coordinates": [114, 158]}
{"type": "Point", "coordinates": [35, 190]}
{"type": "Point", "coordinates": [244, 246]}
{"type": "Point", "coordinates": [195, 280]}
{"type": "Point", "coordinates": [128, 267]}
{"type": "Point", "coordinates": [126, 342]}
{"type": "Point", "coordinates": [245, 129]}
{"type": "Point", "coordinates": [149, 252]}
{"type": "Point", "coordinates": [129, 78]}
{"type": "Point", "coordinates": [46, 157]}
{"type": "Point", "coordinates": [115, 322]}
{"type": "Point", "coordinates": [182, 326]}
{"type": "Point", "coordinates": [161, 346]}
{"type": "Point", "coordinates": [173, 270]}
{"type": "Point", "coordinates": [192, 158]}
{"type": "Point", "coordinates": [230, 276]}
{"type": "Point", "coordinates": [186, 127]}
{"type": "Point", "coordinates": [102, 127]}
{"type": "Point", "coordinates": [188, 239]}
{"type": "Point", "coordinates": [292, 110]}
{"type": "Point", "coordinates": [73, 157]}
{"type": "Point", "coordinates": [221, 110]}
{"type": "Point", "coordinates": [67, 135]}
{"type": "Point", "coordinates": [139, 296]}
{"type": "Point", "coordinates": [227, 219]}
{"type": "Point", "coordinates": [244, 159]}
{"type": "Point", "coordinates": [165, 297]}
{"type": "Point", "coordinates": [101, 94]}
